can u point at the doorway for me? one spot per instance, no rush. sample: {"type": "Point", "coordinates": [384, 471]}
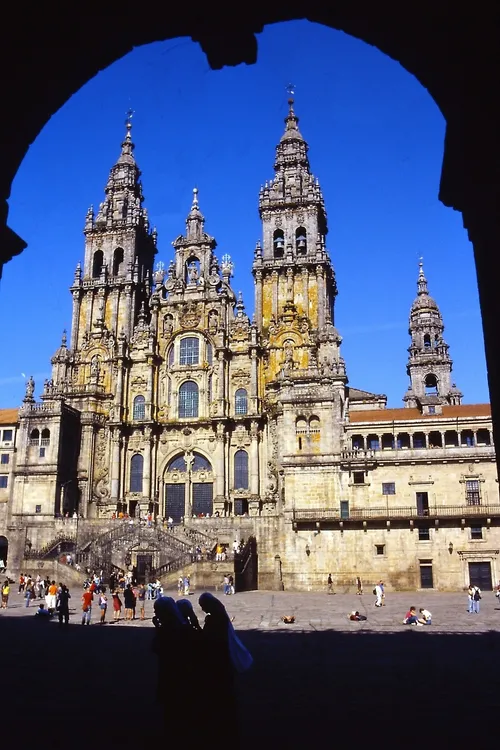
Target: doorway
{"type": "Point", "coordinates": [480, 575]}
{"type": "Point", "coordinates": [422, 503]}
{"type": "Point", "coordinates": [426, 577]}
{"type": "Point", "coordinates": [144, 568]}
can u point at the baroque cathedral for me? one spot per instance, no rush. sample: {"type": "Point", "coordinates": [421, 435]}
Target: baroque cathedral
{"type": "Point", "coordinates": [169, 401]}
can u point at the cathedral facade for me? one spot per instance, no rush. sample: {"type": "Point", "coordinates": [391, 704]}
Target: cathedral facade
{"type": "Point", "coordinates": [169, 400]}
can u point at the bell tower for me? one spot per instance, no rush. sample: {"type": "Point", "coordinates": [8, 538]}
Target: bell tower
{"type": "Point", "coordinates": [295, 290]}
{"type": "Point", "coordinates": [119, 250]}
{"type": "Point", "coordinates": [429, 363]}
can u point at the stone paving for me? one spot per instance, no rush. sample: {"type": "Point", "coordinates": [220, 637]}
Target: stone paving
{"type": "Point", "coordinates": [263, 610]}
{"type": "Point", "coordinates": [323, 679]}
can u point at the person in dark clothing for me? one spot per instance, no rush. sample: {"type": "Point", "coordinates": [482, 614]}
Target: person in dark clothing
{"type": "Point", "coordinates": [63, 605]}
{"type": "Point", "coordinates": [176, 665]}
{"type": "Point", "coordinates": [129, 601]}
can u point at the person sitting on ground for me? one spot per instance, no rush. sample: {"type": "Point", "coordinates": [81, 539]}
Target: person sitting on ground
{"type": "Point", "coordinates": [42, 612]}
{"type": "Point", "coordinates": [411, 617]}
{"type": "Point", "coordinates": [356, 617]}
{"type": "Point", "coordinates": [425, 617]}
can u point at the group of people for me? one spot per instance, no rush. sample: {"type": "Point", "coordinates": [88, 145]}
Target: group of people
{"type": "Point", "coordinates": [424, 617]}
{"type": "Point", "coordinates": [213, 649]}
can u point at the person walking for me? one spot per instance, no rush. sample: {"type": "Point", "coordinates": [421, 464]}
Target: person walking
{"type": "Point", "coordinates": [129, 600]}
{"type": "Point", "coordinates": [141, 595]}
{"type": "Point", "coordinates": [87, 598]}
{"type": "Point", "coordinates": [5, 593]}
{"type": "Point", "coordinates": [359, 585]}
{"type": "Point", "coordinates": [470, 599]}
{"type": "Point", "coordinates": [51, 597]}
{"type": "Point", "coordinates": [63, 605]}
{"type": "Point", "coordinates": [117, 606]}
{"type": "Point", "coordinates": [476, 598]}
{"type": "Point", "coordinates": [329, 584]}
{"type": "Point", "coordinates": [103, 606]}
{"type": "Point", "coordinates": [379, 592]}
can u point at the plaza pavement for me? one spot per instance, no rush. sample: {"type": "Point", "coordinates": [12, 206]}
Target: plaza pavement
{"type": "Point", "coordinates": [322, 680]}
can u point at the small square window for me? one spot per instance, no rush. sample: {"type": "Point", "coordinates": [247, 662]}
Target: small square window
{"type": "Point", "coordinates": [7, 435]}
{"type": "Point", "coordinates": [476, 532]}
{"type": "Point", "coordinates": [380, 549]}
{"type": "Point", "coordinates": [358, 477]}
{"type": "Point", "coordinates": [4, 482]}
{"type": "Point", "coordinates": [38, 508]}
{"type": "Point", "coordinates": [4, 458]}
{"type": "Point", "coordinates": [424, 534]}
{"type": "Point", "coordinates": [388, 488]}
{"type": "Point", "coordinates": [432, 409]}
{"type": "Point", "coordinates": [42, 452]}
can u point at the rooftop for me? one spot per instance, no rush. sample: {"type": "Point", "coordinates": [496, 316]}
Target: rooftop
{"type": "Point", "coordinates": [405, 415]}
{"type": "Point", "coordinates": [9, 416]}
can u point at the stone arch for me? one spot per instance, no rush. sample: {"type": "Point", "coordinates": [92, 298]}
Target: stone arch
{"type": "Point", "coordinates": [4, 549]}
{"type": "Point", "coordinates": [469, 178]}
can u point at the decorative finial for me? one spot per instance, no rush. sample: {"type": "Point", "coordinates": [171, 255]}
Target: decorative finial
{"type": "Point", "coordinates": [128, 119]}
{"type": "Point", "coordinates": [64, 339]}
{"type": "Point", "coordinates": [290, 90]}
{"type": "Point", "coordinates": [195, 198]}
{"type": "Point", "coordinates": [422, 281]}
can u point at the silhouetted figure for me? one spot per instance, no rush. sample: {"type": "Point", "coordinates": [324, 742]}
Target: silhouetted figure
{"type": "Point", "coordinates": [176, 673]}
{"type": "Point", "coordinates": [223, 655]}
{"type": "Point", "coordinates": [63, 605]}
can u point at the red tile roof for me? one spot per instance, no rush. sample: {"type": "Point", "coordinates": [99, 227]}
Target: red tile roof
{"type": "Point", "coordinates": [404, 415]}
{"type": "Point", "coordinates": [8, 416]}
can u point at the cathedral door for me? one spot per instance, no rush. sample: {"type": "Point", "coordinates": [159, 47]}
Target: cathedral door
{"type": "Point", "coordinates": [175, 495]}
{"type": "Point", "coordinates": [202, 498]}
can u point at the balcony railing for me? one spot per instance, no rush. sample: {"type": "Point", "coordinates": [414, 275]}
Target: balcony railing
{"type": "Point", "coordinates": [356, 514]}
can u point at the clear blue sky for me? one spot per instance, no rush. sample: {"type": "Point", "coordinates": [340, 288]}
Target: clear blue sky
{"type": "Point", "coordinates": [376, 143]}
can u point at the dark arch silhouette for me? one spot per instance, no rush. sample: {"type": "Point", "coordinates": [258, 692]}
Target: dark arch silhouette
{"type": "Point", "coordinates": [460, 69]}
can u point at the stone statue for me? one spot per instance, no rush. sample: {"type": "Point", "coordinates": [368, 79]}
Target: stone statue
{"type": "Point", "coordinates": [30, 388]}
{"type": "Point", "coordinates": [213, 321]}
{"type": "Point", "coordinates": [94, 368]}
{"type": "Point", "coordinates": [192, 273]}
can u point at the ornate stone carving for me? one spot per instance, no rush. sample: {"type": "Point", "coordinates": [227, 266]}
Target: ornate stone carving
{"type": "Point", "coordinates": [138, 383]}
{"type": "Point", "coordinates": [190, 316]}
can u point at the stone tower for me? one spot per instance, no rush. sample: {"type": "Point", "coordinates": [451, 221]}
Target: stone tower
{"type": "Point", "coordinates": [304, 374]}
{"type": "Point", "coordinates": [119, 252]}
{"type": "Point", "coordinates": [429, 363]}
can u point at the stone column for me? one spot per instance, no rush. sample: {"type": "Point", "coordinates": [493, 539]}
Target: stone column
{"type": "Point", "coordinates": [75, 320]}
{"type": "Point", "coordinates": [86, 462]}
{"type": "Point", "coordinates": [320, 282]}
{"type": "Point", "coordinates": [146, 476]}
{"type": "Point", "coordinates": [278, 576]}
{"type": "Point", "coordinates": [219, 465]}
{"type": "Point", "coordinates": [221, 383]}
{"type": "Point", "coordinates": [254, 458]}
{"type": "Point", "coordinates": [115, 466]}
{"type": "Point", "coordinates": [305, 290]}
{"type": "Point", "coordinates": [258, 298]}
{"type": "Point", "coordinates": [188, 499]}
{"type": "Point", "coordinates": [275, 282]}
{"type": "Point", "coordinates": [254, 376]}
{"type": "Point", "coordinates": [90, 307]}
{"type": "Point", "coordinates": [118, 410]}
{"type": "Point", "coordinates": [149, 390]}
{"type": "Point", "coordinates": [128, 325]}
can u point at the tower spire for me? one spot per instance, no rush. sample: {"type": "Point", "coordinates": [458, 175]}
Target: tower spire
{"type": "Point", "coordinates": [429, 363]}
{"type": "Point", "coordinates": [126, 156]}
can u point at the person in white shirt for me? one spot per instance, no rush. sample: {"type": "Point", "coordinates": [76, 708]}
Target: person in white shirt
{"type": "Point", "coordinates": [379, 592]}
{"type": "Point", "coordinates": [425, 617]}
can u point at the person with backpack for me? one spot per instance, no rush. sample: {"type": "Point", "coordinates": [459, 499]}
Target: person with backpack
{"type": "Point", "coordinates": [476, 598]}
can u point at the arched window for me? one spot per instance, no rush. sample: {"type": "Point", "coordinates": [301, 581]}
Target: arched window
{"type": "Point", "coordinates": [430, 383]}
{"type": "Point", "coordinates": [190, 351]}
{"type": "Point", "coordinates": [171, 356]}
{"type": "Point", "coordinates": [169, 391]}
{"type": "Point", "coordinates": [139, 407]}
{"type": "Point", "coordinates": [240, 401]}
{"type": "Point", "coordinates": [177, 464]}
{"type": "Point", "coordinates": [278, 243]}
{"type": "Point", "coordinates": [35, 437]}
{"type": "Point", "coordinates": [301, 241]}
{"type": "Point", "coordinates": [188, 399]}
{"type": "Point", "coordinates": [210, 353]}
{"type": "Point", "coordinates": [45, 437]}
{"type": "Point", "coordinates": [117, 261]}
{"type": "Point", "coordinates": [314, 424]}
{"type": "Point", "coordinates": [136, 471]}
{"type": "Point", "coordinates": [427, 341]}
{"type": "Point", "coordinates": [200, 463]}
{"type": "Point", "coordinates": [241, 470]}
{"type": "Point", "coordinates": [97, 264]}
{"type": "Point", "coordinates": [358, 443]}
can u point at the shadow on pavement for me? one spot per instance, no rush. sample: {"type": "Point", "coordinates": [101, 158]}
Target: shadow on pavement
{"type": "Point", "coordinates": [97, 684]}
